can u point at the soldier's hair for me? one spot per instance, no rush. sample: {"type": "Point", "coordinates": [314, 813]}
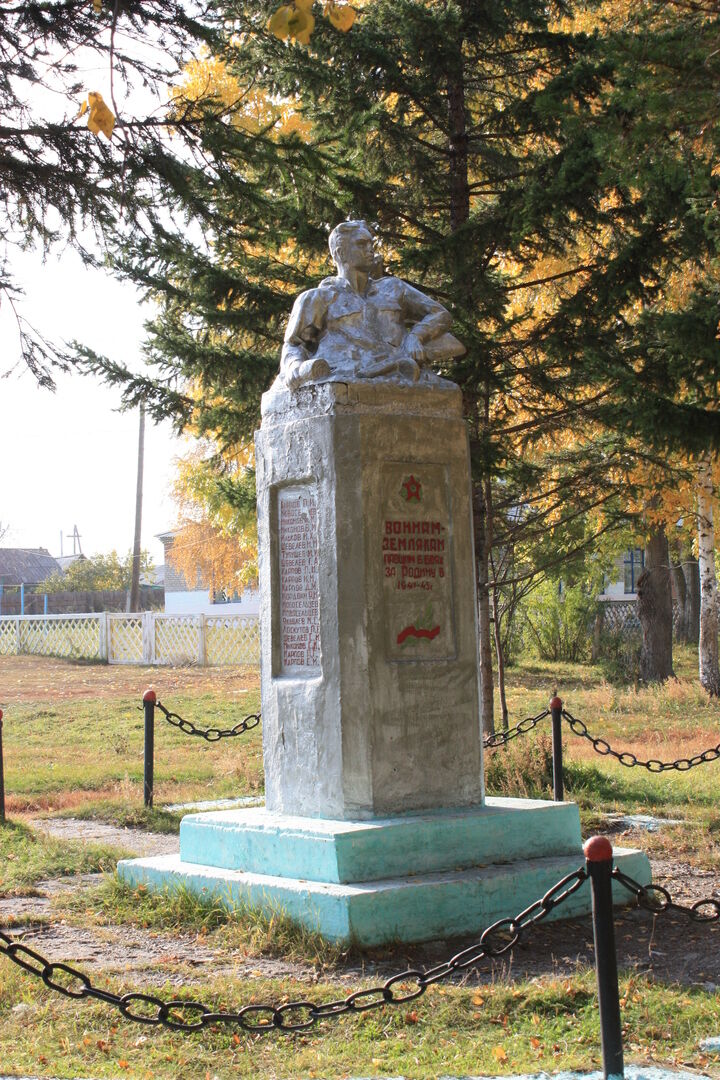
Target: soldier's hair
{"type": "Point", "coordinates": [340, 233]}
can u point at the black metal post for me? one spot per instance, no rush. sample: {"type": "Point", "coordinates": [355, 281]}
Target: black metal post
{"type": "Point", "coordinates": [149, 699]}
{"type": "Point", "coordinates": [2, 773]}
{"type": "Point", "coordinates": [556, 713]}
{"type": "Point", "coordinates": [599, 855]}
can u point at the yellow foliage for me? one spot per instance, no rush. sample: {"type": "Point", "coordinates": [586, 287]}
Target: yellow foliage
{"type": "Point", "coordinates": [278, 23]}
{"type": "Point", "coordinates": [296, 20]}
{"type": "Point", "coordinates": [254, 110]}
{"type": "Point", "coordinates": [208, 558]}
{"type": "Point", "coordinates": [214, 547]}
{"type": "Point", "coordinates": [342, 16]}
{"type": "Point", "coordinates": [100, 118]}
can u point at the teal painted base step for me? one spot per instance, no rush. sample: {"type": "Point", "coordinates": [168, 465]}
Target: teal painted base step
{"type": "Point", "coordinates": [262, 842]}
{"type": "Point", "coordinates": [419, 908]}
{"type": "Point", "coordinates": [410, 878]}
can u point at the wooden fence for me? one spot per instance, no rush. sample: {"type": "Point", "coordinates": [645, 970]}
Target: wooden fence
{"type": "Point", "coordinates": [147, 638]}
{"type": "Point", "coordinates": [36, 602]}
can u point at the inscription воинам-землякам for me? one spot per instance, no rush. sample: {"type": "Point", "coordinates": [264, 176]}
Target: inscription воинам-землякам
{"type": "Point", "coordinates": [416, 563]}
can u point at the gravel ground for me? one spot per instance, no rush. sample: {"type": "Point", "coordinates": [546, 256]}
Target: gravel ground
{"type": "Point", "coordinates": [137, 841]}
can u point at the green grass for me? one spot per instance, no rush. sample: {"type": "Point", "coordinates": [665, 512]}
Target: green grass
{"type": "Point", "coordinates": [87, 753]}
{"type": "Point", "coordinates": [152, 819]}
{"type": "Point", "coordinates": [85, 758]}
{"type": "Point", "coordinates": [666, 722]}
{"type": "Point", "coordinates": [487, 1030]}
{"type": "Point", "coordinates": [28, 857]}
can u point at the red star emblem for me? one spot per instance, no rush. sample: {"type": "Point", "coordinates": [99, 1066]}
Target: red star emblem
{"type": "Point", "coordinates": [413, 489]}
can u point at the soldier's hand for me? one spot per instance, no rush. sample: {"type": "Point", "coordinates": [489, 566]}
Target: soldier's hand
{"type": "Point", "coordinates": [413, 347]}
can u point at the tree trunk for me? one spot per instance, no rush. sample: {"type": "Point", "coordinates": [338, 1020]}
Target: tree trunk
{"type": "Point", "coordinates": [681, 594]}
{"type": "Point", "coordinates": [708, 650]}
{"type": "Point", "coordinates": [597, 634]}
{"type": "Point", "coordinates": [134, 604]}
{"type": "Point", "coordinates": [499, 655]}
{"type": "Point", "coordinates": [459, 207]}
{"type": "Point", "coordinates": [691, 573]}
{"type": "Point", "coordinates": [654, 601]}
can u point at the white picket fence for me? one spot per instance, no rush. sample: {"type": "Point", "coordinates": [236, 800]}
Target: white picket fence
{"type": "Point", "coordinates": [146, 638]}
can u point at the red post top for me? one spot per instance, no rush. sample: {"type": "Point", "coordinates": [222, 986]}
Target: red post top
{"type": "Point", "coordinates": [1, 714]}
{"type": "Point", "coordinates": [598, 849]}
{"type": "Point", "coordinates": [150, 695]}
{"type": "Point", "coordinates": [556, 703]}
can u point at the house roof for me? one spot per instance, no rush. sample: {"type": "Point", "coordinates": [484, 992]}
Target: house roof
{"type": "Point", "coordinates": [168, 536]}
{"type": "Point", "coordinates": [64, 561]}
{"type": "Point", "coordinates": [26, 565]}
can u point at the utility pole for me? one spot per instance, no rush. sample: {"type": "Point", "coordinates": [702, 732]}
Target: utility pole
{"type": "Point", "coordinates": [135, 581]}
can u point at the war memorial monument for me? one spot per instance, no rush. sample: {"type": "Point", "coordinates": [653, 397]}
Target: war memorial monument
{"type": "Point", "coordinates": [376, 827]}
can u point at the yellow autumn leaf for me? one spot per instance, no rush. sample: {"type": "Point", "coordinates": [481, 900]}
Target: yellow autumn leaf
{"type": "Point", "coordinates": [304, 5]}
{"type": "Point", "coordinates": [499, 1053]}
{"type": "Point", "coordinates": [97, 4]}
{"type": "Point", "coordinates": [100, 118]}
{"type": "Point", "coordinates": [301, 25]}
{"type": "Point", "coordinates": [342, 16]}
{"type": "Point", "coordinates": [82, 110]}
{"type": "Point", "coordinates": [278, 22]}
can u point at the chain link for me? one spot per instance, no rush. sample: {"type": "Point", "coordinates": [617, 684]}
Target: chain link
{"type": "Point", "coordinates": [209, 734]}
{"type": "Point", "coordinates": [399, 989]}
{"type": "Point", "coordinates": [657, 900]}
{"type": "Point", "coordinates": [601, 746]}
{"type": "Point", "coordinates": [502, 738]}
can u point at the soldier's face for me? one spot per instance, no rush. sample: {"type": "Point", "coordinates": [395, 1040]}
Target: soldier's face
{"type": "Point", "coordinates": [359, 253]}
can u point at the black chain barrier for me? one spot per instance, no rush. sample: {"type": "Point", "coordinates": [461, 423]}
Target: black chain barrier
{"type": "Point", "coordinates": [501, 738]}
{"type": "Point", "coordinates": [601, 746]}
{"type": "Point", "coordinates": [657, 900]}
{"type": "Point", "coordinates": [209, 734]}
{"type": "Point", "coordinates": [180, 1015]}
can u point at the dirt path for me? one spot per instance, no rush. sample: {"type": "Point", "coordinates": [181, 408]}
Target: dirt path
{"type": "Point", "coordinates": [136, 841]}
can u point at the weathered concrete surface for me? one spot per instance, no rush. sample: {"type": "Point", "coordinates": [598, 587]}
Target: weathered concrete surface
{"type": "Point", "coordinates": [414, 908]}
{"type": "Point", "coordinates": [318, 849]}
{"type": "Point", "coordinates": [369, 646]}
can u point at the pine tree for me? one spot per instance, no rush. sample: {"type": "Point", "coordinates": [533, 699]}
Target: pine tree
{"type": "Point", "coordinates": [486, 142]}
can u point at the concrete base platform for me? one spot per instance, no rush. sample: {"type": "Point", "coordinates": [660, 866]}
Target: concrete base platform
{"type": "Point", "coordinates": [419, 908]}
{"type": "Point", "coordinates": [410, 878]}
{"type": "Point", "coordinates": [259, 841]}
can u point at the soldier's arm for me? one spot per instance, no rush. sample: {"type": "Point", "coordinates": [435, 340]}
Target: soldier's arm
{"type": "Point", "coordinates": [432, 319]}
{"type": "Point", "coordinates": [306, 323]}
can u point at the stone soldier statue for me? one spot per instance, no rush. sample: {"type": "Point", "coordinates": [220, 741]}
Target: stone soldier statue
{"type": "Point", "coordinates": [362, 323]}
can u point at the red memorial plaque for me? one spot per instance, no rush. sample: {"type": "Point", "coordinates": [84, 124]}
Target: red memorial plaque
{"type": "Point", "coordinates": [416, 563]}
{"type": "Point", "coordinates": [299, 582]}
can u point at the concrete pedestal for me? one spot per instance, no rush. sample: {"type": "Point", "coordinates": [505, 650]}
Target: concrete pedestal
{"type": "Point", "coordinates": [375, 826]}
{"type": "Point", "coordinates": [369, 647]}
{"type": "Point", "coordinates": [410, 878]}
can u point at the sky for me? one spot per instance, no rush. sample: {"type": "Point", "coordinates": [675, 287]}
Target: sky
{"type": "Point", "coordinates": [70, 458]}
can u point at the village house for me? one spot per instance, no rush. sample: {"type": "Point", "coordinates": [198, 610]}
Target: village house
{"type": "Point", "coordinates": [181, 599]}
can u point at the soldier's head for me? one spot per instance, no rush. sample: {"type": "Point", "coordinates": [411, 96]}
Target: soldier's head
{"type": "Point", "coordinates": [351, 246]}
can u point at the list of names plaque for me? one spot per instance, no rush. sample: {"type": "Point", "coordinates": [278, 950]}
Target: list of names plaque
{"type": "Point", "coordinates": [299, 580]}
